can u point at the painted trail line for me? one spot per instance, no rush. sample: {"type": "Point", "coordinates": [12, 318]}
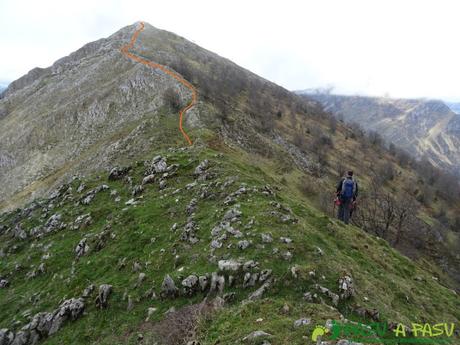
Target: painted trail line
{"type": "Point", "coordinates": [125, 51]}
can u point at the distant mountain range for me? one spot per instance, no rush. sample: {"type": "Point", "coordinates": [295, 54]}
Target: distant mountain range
{"type": "Point", "coordinates": [429, 128]}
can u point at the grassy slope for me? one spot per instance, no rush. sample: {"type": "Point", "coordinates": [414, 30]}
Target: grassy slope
{"type": "Point", "coordinates": [141, 233]}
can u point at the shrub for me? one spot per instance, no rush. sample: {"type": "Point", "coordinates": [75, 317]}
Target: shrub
{"type": "Point", "coordinates": [171, 99]}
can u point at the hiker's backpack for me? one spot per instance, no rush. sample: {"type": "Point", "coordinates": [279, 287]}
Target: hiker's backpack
{"type": "Point", "coordinates": [348, 188]}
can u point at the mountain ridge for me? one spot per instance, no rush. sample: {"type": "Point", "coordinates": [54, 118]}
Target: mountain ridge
{"type": "Point", "coordinates": [123, 214]}
{"type": "Point", "coordinates": [425, 128]}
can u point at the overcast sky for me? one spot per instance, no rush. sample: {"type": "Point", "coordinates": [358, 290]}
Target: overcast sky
{"type": "Point", "coordinates": [402, 48]}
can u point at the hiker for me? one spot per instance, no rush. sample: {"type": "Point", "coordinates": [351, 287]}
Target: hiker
{"type": "Point", "coordinates": [347, 191]}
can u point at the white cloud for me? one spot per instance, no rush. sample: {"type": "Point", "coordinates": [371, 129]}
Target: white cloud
{"type": "Point", "coordinates": [405, 48]}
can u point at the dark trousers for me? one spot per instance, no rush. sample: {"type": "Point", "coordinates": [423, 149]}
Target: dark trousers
{"type": "Point", "coordinates": [344, 210]}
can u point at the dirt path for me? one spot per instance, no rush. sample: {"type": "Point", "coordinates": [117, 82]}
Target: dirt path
{"type": "Point", "coordinates": [125, 51]}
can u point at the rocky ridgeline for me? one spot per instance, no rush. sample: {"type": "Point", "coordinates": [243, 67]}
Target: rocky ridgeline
{"type": "Point", "coordinates": [230, 232]}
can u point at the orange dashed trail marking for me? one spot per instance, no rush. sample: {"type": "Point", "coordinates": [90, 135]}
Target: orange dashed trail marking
{"type": "Point", "coordinates": [125, 51]}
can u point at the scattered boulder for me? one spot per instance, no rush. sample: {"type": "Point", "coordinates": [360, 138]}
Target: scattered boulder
{"type": "Point", "coordinates": [287, 256]}
{"type": "Point", "coordinates": [372, 314]}
{"type": "Point", "coordinates": [286, 240]}
{"type": "Point", "coordinates": [6, 337]}
{"type": "Point", "coordinates": [250, 279]}
{"type": "Point", "coordinates": [150, 312]}
{"type": "Point", "coordinates": [19, 233]}
{"type": "Point", "coordinates": [70, 309]}
{"type": "Point", "coordinates": [168, 288]}
{"type": "Point", "coordinates": [82, 221]}
{"type": "Point", "coordinates": [191, 207]}
{"type": "Point", "coordinates": [4, 283]}
{"type": "Point", "coordinates": [264, 275]}
{"type": "Point", "coordinates": [82, 248]}
{"type": "Point", "coordinates": [88, 291]}
{"type": "Point", "coordinates": [232, 215]}
{"type": "Point", "coordinates": [81, 187]}
{"type": "Point", "coordinates": [260, 291]}
{"type": "Point", "coordinates": [243, 244]}
{"type": "Point", "coordinates": [203, 282]}
{"type": "Point", "coordinates": [333, 296]}
{"type": "Point", "coordinates": [256, 335]}
{"type": "Point", "coordinates": [137, 190]}
{"type": "Point", "coordinates": [267, 238]}
{"type": "Point", "coordinates": [217, 283]}
{"type": "Point", "coordinates": [159, 164]}
{"type": "Point", "coordinates": [148, 179]}
{"type": "Point", "coordinates": [137, 266]}
{"type": "Point", "coordinates": [202, 167]}
{"type": "Point", "coordinates": [53, 224]}
{"type": "Point", "coordinates": [102, 298]}
{"type": "Point", "coordinates": [190, 285]}
{"type": "Point", "coordinates": [118, 173]}
{"type": "Point", "coordinates": [131, 202]}
{"type": "Point", "coordinates": [189, 234]}
{"type": "Point", "coordinates": [346, 287]}
{"type": "Point", "coordinates": [88, 197]}
{"type": "Point", "coordinates": [301, 322]}
{"type": "Point", "coordinates": [44, 324]}
{"type": "Point", "coordinates": [249, 265]}
{"type": "Point", "coordinates": [216, 244]}
{"type": "Point", "coordinates": [140, 279]}
{"type": "Point", "coordinates": [229, 265]}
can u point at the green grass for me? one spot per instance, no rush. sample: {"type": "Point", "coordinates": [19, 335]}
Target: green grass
{"type": "Point", "coordinates": [384, 279]}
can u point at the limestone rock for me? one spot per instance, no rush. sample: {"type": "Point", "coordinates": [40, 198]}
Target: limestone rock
{"type": "Point", "coordinates": [217, 283]}
{"type": "Point", "coordinates": [19, 233]}
{"type": "Point", "coordinates": [256, 335]}
{"type": "Point", "coordinates": [260, 291]}
{"type": "Point", "coordinates": [102, 298]}
{"type": "Point", "coordinates": [190, 285]}
{"type": "Point", "coordinates": [346, 287]}
{"type": "Point", "coordinates": [202, 167]}
{"type": "Point", "coordinates": [148, 179]}
{"type": "Point", "coordinates": [229, 265]}
{"type": "Point", "coordinates": [168, 288]}
{"type": "Point", "coordinates": [203, 281]}
{"type": "Point", "coordinates": [82, 221]}
{"type": "Point", "coordinates": [232, 215]}
{"type": "Point", "coordinates": [301, 322]}
{"type": "Point", "coordinates": [82, 248]}
{"type": "Point", "coordinates": [267, 238]}
{"type": "Point", "coordinates": [159, 164]}
{"type": "Point", "coordinates": [243, 244]}
{"type": "Point", "coordinates": [118, 173]}
{"type": "Point", "coordinates": [137, 190]}
{"type": "Point", "coordinates": [6, 336]}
